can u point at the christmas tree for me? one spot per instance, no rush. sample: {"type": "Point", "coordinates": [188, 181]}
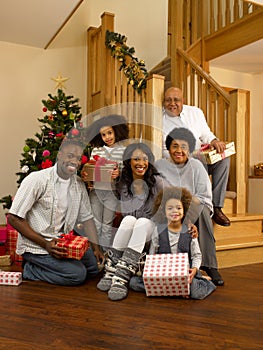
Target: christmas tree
{"type": "Point", "coordinates": [62, 119]}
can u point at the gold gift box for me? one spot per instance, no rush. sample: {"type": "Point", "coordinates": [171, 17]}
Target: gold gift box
{"type": "Point", "coordinates": [102, 173]}
{"type": "Point", "coordinates": [211, 156]}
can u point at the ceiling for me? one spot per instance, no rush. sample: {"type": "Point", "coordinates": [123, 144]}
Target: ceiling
{"type": "Point", "coordinates": [247, 59]}
{"type": "Point", "coordinates": [35, 23]}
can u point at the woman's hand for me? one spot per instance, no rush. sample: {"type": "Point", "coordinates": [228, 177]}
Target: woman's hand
{"type": "Point", "coordinates": [192, 229]}
{"type": "Point", "coordinates": [55, 251]}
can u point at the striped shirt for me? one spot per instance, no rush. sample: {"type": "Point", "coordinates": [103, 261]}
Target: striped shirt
{"type": "Point", "coordinates": [110, 153]}
{"type": "Point", "coordinates": [36, 202]}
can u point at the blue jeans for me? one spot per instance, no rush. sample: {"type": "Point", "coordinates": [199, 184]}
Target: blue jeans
{"type": "Point", "coordinates": [200, 287]}
{"type": "Point", "coordinates": [64, 272]}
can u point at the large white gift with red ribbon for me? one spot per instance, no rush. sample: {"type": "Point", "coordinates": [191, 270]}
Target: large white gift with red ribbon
{"type": "Point", "coordinates": [10, 278]}
{"type": "Point", "coordinates": [166, 275]}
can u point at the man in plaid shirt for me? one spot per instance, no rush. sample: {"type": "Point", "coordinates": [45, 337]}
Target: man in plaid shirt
{"type": "Point", "coordinates": [50, 202]}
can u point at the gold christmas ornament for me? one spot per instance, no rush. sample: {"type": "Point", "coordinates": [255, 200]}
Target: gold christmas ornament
{"type": "Point", "coordinates": [64, 113]}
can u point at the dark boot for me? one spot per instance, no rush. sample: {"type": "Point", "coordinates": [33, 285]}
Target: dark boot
{"type": "Point", "coordinates": [125, 269]}
{"type": "Point", "coordinates": [113, 256]}
{"type": "Point", "coordinates": [214, 274]}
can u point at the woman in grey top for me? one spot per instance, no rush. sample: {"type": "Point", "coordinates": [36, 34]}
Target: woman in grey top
{"type": "Point", "coordinates": [137, 188]}
{"type": "Point", "coordinates": [182, 171]}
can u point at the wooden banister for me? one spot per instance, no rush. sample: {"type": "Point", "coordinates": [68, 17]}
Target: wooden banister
{"type": "Point", "coordinates": [108, 89]}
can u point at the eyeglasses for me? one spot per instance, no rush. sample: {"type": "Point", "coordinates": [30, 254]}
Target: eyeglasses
{"type": "Point", "coordinates": [170, 100]}
{"type": "Point", "coordinates": [182, 147]}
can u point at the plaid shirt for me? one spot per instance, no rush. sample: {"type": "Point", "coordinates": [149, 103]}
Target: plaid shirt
{"type": "Point", "coordinates": [36, 202]}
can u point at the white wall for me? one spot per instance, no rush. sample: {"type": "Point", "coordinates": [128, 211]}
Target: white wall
{"type": "Point", "coordinates": [25, 72]}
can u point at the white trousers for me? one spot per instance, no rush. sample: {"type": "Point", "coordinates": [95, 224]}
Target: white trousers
{"type": "Point", "coordinates": [133, 233]}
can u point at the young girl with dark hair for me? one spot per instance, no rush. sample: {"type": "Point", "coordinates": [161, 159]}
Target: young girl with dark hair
{"type": "Point", "coordinates": [107, 136]}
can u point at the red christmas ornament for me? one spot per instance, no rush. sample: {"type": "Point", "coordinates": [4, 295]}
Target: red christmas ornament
{"type": "Point", "coordinates": [44, 109]}
{"type": "Point", "coordinates": [84, 159]}
{"type": "Point", "coordinates": [46, 164]}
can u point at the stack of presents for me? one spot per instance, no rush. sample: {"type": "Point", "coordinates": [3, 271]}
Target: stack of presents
{"type": "Point", "coordinates": [76, 245]}
{"type": "Point", "coordinates": [8, 256]}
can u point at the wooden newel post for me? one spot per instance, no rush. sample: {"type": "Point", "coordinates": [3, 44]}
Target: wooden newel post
{"type": "Point", "coordinates": [239, 111]}
{"type": "Point", "coordinates": [155, 89]}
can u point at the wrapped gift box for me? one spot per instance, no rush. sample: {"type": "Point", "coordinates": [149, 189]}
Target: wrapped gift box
{"type": "Point", "coordinates": [76, 245]}
{"type": "Point", "coordinates": [211, 156]}
{"type": "Point", "coordinates": [3, 233]}
{"type": "Point", "coordinates": [2, 248]}
{"type": "Point", "coordinates": [5, 260]}
{"type": "Point", "coordinates": [10, 278]}
{"type": "Point", "coordinates": [99, 170]}
{"type": "Point", "coordinates": [12, 236]}
{"type": "Point", "coordinates": [166, 275]}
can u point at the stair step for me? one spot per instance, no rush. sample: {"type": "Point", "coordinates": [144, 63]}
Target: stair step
{"type": "Point", "coordinates": [229, 206]}
{"type": "Point", "coordinates": [243, 254]}
{"type": "Point", "coordinates": [242, 242]}
{"type": "Point", "coordinates": [226, 245]}
{"type": "Point", "coordinates": [164, 64]}
{"type": "Point", "coordinates": [242, 228]}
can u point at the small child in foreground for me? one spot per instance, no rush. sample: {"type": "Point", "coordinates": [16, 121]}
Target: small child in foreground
{"type": "Point", "coordinates": [171, 236]}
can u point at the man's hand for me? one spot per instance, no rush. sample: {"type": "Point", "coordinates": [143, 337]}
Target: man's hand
{"type": "Point", "coordinates": [220, 146]}
{"type": "Point", "coordinates": [98, 254]}
{"type": "Point", "coordinates": [55, 251]}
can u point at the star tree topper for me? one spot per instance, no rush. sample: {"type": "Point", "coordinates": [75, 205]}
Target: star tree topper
{"type": "Point", "coordinates": [60, 81]}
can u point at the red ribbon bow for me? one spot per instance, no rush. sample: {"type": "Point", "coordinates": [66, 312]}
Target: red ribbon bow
{"type": "Point", "coordinates": [101, 161]}
{"type": "Point", "coordinates": [68, 237]}
{"type": "Point", "coordinates": [205, 147]}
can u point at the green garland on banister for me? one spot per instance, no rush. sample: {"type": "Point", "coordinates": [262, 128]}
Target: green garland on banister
{"type": "Point", "coordinates": [133, 69]}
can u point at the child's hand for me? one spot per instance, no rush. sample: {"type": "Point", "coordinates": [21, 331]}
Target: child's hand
{"type": "Point", "coordinates": [115, 173]}
{"type": "Point", "coordinates": [192, 273]}
{"type": "Point", "coordinates": [192, 229]}
{"type": "Point", "coordinates": [84, 176]}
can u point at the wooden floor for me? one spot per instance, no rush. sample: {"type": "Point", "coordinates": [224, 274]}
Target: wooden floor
{"type": "Point", "coordinates": [37, 315]}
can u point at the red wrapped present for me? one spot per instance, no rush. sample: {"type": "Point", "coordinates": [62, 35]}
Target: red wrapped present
{"type": "Point", "coordinates": [10, 278]}
{"type": "Point", "coordinates": [11, 241]}
{"type": "Point", "coordinates": [210, 155]}
{"type": "Point", "coordinates": [99, 169]}
{"type": "Point", "coordinates": [2, 249]}
{"type": "Point", "coordinates": [3, 233]}
{"type": "Point", "coordinates": [166, 275]}
{"type": "Point", "coordinates": [76, 245]}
